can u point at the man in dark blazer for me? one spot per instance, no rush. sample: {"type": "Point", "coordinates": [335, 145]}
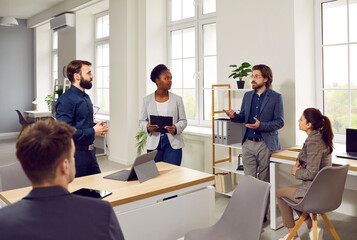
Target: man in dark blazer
{"type": "Point", "coordinates": [262, 112]}
{"type": "Point", "coordinates": [49, 211]}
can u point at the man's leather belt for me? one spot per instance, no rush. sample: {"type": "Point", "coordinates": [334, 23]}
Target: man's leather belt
{"type": "Point", "coordinates": [255, 139]}
{"type": "Point", "coordinates": [85, 147]}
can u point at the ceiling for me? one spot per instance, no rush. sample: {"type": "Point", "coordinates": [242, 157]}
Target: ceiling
{"type": "Point", "coordinates": [25, 8]}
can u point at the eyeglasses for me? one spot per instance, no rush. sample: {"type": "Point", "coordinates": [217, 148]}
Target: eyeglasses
{"type": "Point", "coordinates": [256, 76]}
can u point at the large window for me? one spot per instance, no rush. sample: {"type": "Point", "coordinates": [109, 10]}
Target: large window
{"type": "Point", "coordinates": [101, 73]}
{"type": "Point", "coordinates": [337, 57]}
{"type": "Point", "coordinates": [192, 55]}
{"type": "Point", "coordinates": [54, 57]}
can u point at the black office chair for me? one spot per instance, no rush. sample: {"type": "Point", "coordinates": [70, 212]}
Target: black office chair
{"type": "Point", "coordinates": [24, 123]}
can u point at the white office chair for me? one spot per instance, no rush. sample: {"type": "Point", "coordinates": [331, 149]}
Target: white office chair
{"type": "Point", "coordinates": [13, 176]}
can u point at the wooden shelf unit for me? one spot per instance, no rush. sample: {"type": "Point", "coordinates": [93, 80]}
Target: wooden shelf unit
{"type": "Point", "coordinates": [229, 159]}
{"type": "Point", "coordinates": [226, 164]}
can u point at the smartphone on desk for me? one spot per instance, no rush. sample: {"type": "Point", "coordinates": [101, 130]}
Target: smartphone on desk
{"type": "Point", "coordinates": [94, 193]}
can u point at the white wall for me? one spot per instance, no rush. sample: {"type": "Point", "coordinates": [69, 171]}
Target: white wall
{"type": "Point", "coordinates": [260, 31]}
{"type": "Point", "coordinates": [268, 32]}
{"type": "Point", "coordinates": [304, 61]}
{"type": "Point", "coordinates": [66, 48]}
{"type": "Point", "coordinates": [85, 42]}
{"type": "Point", "coordinates": [43, 65]}
{"type": "Point", "coordinates": [156, 38]}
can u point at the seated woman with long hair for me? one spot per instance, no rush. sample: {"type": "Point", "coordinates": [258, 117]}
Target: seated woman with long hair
{"type": "Point", "coordinates": [314, 155]}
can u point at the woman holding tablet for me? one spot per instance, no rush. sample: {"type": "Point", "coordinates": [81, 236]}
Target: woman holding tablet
{"type": "Point", "coordinates": [164, 103]}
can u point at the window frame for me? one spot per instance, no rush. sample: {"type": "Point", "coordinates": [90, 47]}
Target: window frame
{"type": "Point", "coordinates": [197, 22]}
{"type": "Point", "coordinates": [339, 138]}
{"type": "Point", "coordinates": [99, 42]}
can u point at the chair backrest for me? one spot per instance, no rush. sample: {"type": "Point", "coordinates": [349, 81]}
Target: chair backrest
{"type": "Point", "coordinates": [244, 215]}
{"type": "Point", "coordinates": [21, 118]}
{"type": "Point", "coordinates": [13, 176]}
{"type": "Point", "coordinates": [325, 192]}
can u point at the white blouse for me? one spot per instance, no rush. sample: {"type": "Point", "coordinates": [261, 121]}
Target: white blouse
{"type": "Point", "coordinates": [162, 107]}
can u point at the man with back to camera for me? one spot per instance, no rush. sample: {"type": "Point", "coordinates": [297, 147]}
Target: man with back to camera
{"type": "Point", "coordinates": [75, 108]}
{"type": "Point", "coordinates": [262, 111]}
{"type": "Point", "coordinates": [46, 153]}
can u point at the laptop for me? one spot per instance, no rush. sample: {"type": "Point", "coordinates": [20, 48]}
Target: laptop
{"type": "Point", "coordinates": [141, 163]}
{"type": "Point", "coordinates": [351, 144]}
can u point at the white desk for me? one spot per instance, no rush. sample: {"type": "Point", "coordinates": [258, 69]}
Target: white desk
{"type": "Point", "coordinates": [140, 208]}
{"type": "Point", "coordinates": [37, 114]}
{"type": "Point", "coordinates": [289, 158]}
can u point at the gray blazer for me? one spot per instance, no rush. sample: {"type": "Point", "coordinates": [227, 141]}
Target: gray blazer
{"type": "Point", "coordinates": [271, 117]}
{"type": "Point", "coordinates": [54, 213]}
{"type": "Point", "coordinates": [176, 109]}
{"type": "Point", "coordinates": [313, 156]}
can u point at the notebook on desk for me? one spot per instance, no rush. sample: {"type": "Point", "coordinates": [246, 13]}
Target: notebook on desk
{"type": "Point", "coordinates": [351, 144]}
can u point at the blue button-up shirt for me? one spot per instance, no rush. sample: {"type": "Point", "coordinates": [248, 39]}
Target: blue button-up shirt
{"type": "Point", "coordinates": [254, 112]}
{"type": "Point", "coordinates": [75, 108]}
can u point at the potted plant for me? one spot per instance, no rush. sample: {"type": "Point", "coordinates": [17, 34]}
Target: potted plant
{"type": "Point", "coordinates": [59, 92]}
{"type": "Point", "coordinates": [49, 99]}
{"type": "Point", "coordinates": [141, 138]}
{"type": "Point", "coordinates": [239, 72]}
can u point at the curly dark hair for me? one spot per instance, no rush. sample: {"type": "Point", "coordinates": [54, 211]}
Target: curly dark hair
{"type": "Point", "coordinates": [155, 73]}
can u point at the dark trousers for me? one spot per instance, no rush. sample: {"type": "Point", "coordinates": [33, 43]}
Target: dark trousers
{"type": "Point", "coordinates": [86, 163]}
{"type": "Point", "coordinates": [165, 153]}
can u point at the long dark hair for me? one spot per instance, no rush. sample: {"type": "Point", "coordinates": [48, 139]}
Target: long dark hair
{"type": "Point", "coordinates": [321, 122]}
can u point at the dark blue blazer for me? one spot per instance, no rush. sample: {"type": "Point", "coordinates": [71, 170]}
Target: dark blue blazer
{"type": "Point", "coordinates": [54, 213]}
{"type": "Point", "coordinates": [271, 117]}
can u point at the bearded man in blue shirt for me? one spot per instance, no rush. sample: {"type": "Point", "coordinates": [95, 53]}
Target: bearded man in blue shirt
{"type": "Point", "coordinates": [75, 108]}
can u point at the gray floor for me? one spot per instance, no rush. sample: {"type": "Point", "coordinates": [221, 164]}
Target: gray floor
{"type": "Point", "coordinates": [345, 225]}
{"type": "Point", "coordinates": [8, 149]}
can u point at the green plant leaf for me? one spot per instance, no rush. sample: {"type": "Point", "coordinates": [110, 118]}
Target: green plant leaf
{"type": "Point", "coordinates": [231, 75]}
{"type": "Point", "coordinates": [245, 65]}
{"type": "Point", "coordinates": [232, 65]}
{"type": "Point", "coordinates": [141, 138]}
{"type": "Point", "coordinates": [59, 91]}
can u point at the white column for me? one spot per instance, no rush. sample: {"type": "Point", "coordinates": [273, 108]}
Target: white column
{"type": "Point", "coordinates": [85, 43]}
{"type": "Point", "coordinates": [66, 48]}
{"type": "Point", "coordinates": [43, 84]}
{"type": "Point", "coordinates": [124, 77]}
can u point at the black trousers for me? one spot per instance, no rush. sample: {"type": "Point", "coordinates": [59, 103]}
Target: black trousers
{"type": "Point", "coordinates": [86, 163]}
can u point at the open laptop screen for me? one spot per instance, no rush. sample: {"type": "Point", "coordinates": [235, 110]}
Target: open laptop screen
{"type": "Point", "coordinates": [351, 140]}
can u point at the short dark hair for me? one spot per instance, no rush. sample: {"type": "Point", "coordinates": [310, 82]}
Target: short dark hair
{"type": "Point", "coordinates": [155, 73]}
{"type": "Point", "coordinates": [75, 67]}
{"type": "Point", "coordinates": [266, 73]}
{"type": "Point", "coordinates": [41, 147]}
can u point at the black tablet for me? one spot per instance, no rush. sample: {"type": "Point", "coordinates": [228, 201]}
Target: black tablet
{"type": "Point", "coordinates": [92, 193]}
